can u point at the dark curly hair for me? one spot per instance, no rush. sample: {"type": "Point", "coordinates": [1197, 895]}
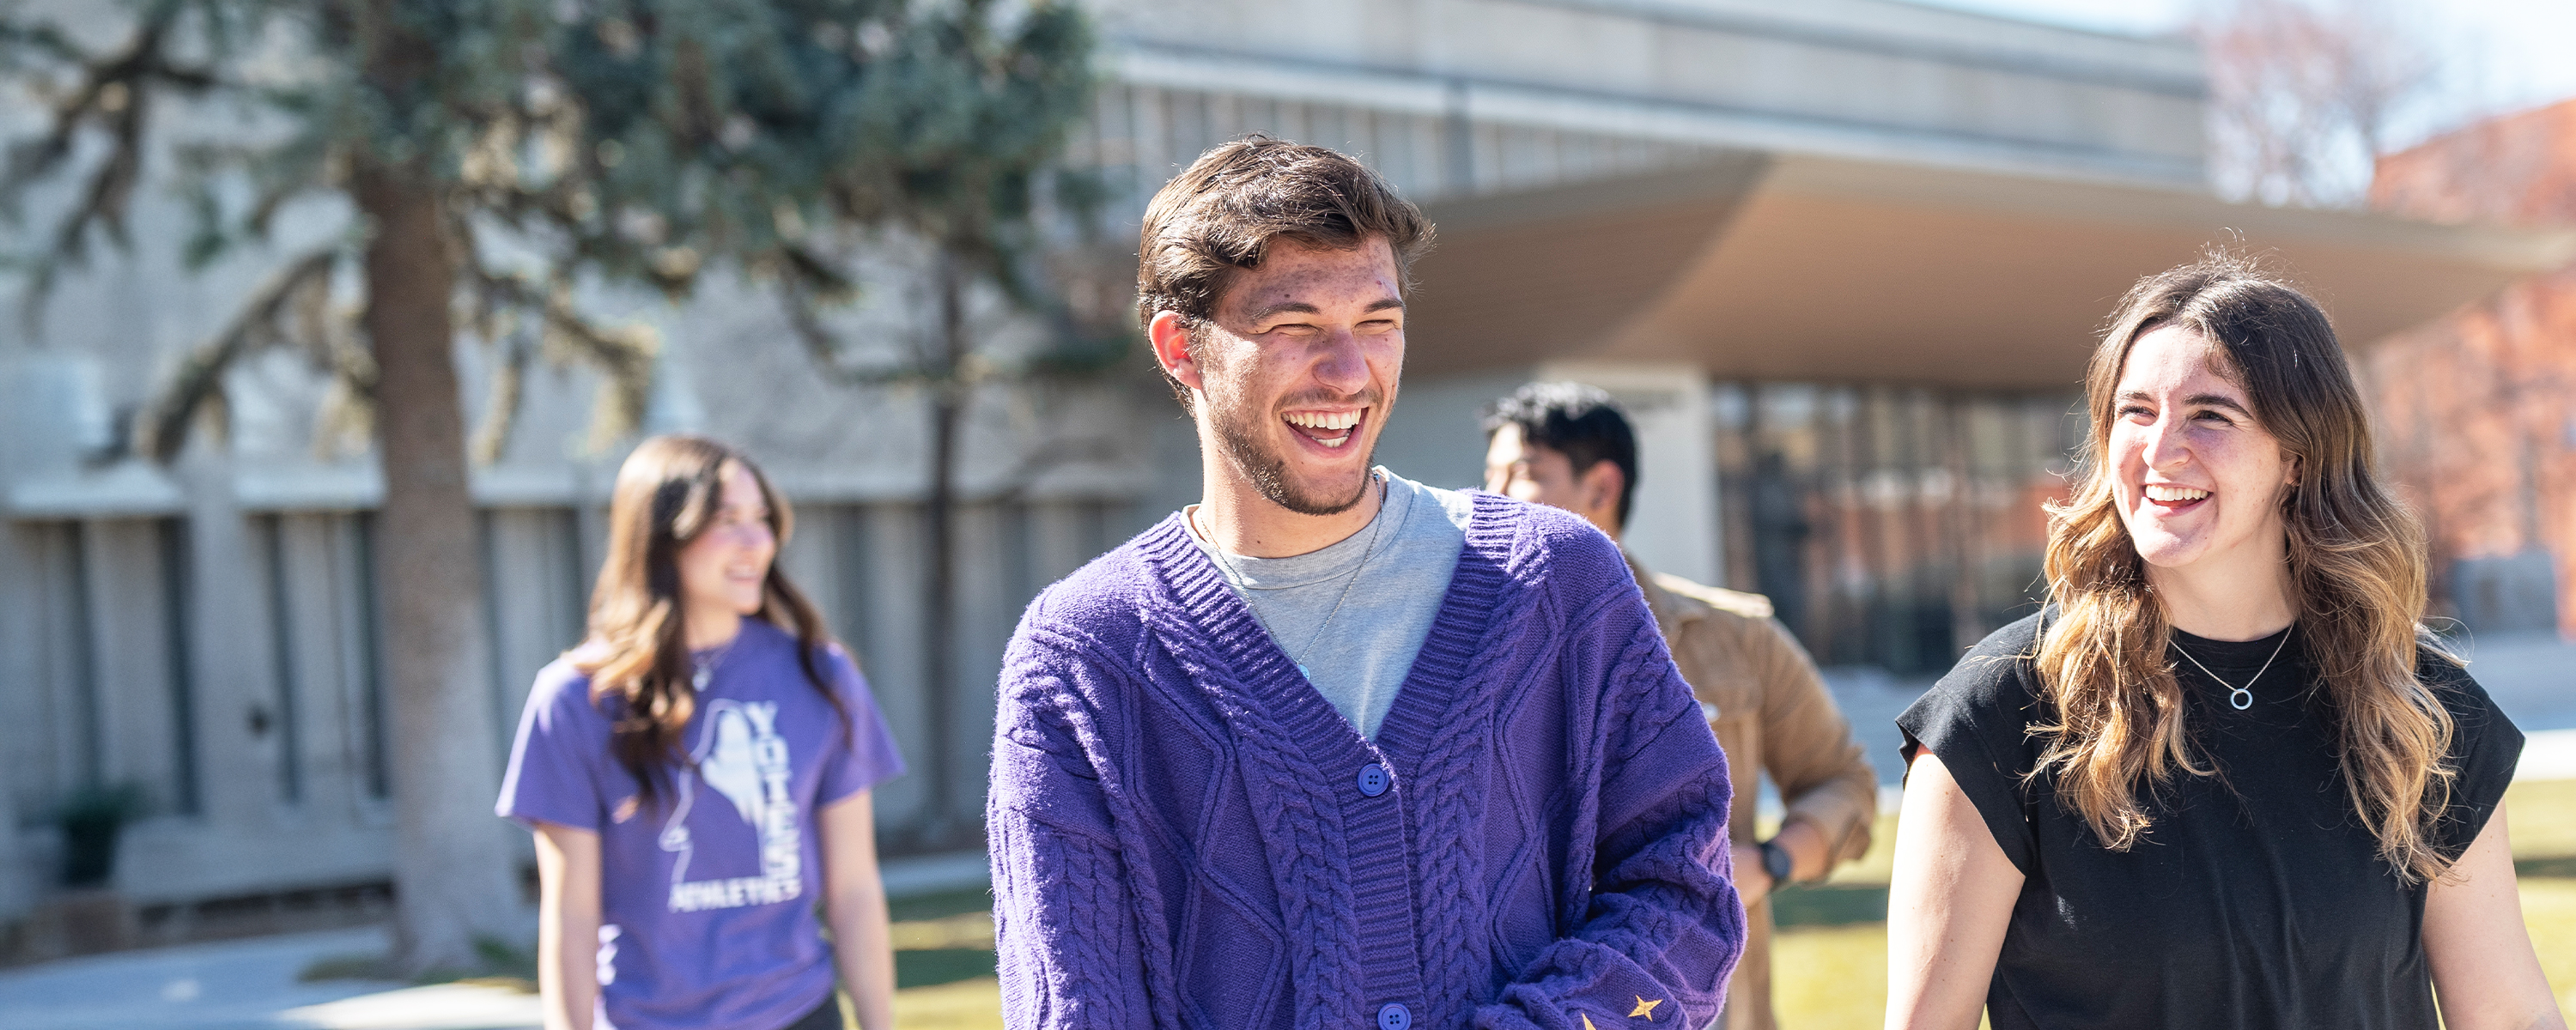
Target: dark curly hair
{"type": "Point", "coordinates": [1221, 214]}
{"type": "Point", "coordinates": [1575, 420]}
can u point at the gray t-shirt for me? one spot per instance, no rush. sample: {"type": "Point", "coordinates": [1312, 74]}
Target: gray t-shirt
{"type": "Point", "coordinates": [1402, 561]}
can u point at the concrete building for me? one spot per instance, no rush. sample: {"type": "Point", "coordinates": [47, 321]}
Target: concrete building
{"type": "Point", "coordinates": [1845, 260]}
{"type": "Point", "coordinates": [1841, 257]}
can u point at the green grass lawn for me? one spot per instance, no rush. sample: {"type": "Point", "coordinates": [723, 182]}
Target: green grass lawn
{"type": "Point", "coordinates": [1829, 959]}
{"type": "Point", "coordinates": [2544, 854]}
{"type": "Point", "coordinates": [942, 939]}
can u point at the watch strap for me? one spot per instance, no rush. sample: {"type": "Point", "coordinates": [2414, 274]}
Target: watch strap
{"type": "Point", "coordinates": [1777, 861]}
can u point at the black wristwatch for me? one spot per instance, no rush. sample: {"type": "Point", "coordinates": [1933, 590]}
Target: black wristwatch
{"type": "Point", "coordinates": [1776, 862]}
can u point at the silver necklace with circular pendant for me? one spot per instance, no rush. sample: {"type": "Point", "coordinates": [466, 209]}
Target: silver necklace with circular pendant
{"type": "Point", "coordinates": [2240, 697]}
{"type": "Point", "coordinates": [1377, 524]}
{"type": "Point", "coordinates": [705, 671]}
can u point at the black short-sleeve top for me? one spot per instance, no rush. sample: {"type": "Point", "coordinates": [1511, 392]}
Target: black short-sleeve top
{"type": "Point", "coordinates": [2257, 899]}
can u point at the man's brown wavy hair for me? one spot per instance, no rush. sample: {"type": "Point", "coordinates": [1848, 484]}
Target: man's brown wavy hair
{"type": "Point", "coordinates": [2356, 567]}
{"type": "Point", "coordinates": [637, 655]}
{"type": "Point", "coordinates": [1220, 215]}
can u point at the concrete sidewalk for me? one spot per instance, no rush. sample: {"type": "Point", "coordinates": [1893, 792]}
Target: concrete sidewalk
{"type": "Point", "coordinates": [2532, 676]}
{"type": "Point", "coordinates": [252, 985]}
{"type": "Point", "coordinates": [245, 985]}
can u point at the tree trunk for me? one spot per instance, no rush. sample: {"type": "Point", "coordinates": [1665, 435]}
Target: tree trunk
{"type": "Point", "coordinates": [939, 583]}
{"type": "Point", "coordinates": [453, 881]}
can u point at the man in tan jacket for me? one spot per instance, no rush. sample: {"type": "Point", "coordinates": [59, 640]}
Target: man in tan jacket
{"type": "Point", "coordinates": [1567, 445]}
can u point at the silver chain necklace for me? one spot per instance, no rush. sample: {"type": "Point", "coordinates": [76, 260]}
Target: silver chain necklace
{"type": "Point", "coordinates": [2241, 697]}
{"type": "Point", "coordinates": [706, 670]}
{"type": "Point", "coordinates": [1377, 524]}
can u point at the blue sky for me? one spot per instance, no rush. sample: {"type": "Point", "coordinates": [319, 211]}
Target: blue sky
{"type": "Point", "coordinates": [2503, 55]}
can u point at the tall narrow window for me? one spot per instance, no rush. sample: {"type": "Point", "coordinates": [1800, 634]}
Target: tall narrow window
{"type": "Point", "coordinates": [88, 706]}
{"type": "Point", "coordinates": [178, 622]}
{"type": "Point", "coordinates": [372, 664]}
{"type": "Point", "coordinates": [858, 575]}
{"type": "Point", "coordinates": [494, 660]}
{"type": "Point", "coordinates": [576, 573]}
{"type": "Point", "coordinates": [1891, 525]}
{"type": "Point", "coordinates": [281, 622]}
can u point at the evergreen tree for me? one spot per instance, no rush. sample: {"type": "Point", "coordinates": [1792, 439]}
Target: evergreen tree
{"type": "Point", "coordinates": [498, 154]}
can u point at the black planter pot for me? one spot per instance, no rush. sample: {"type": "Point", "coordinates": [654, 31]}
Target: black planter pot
{"type": "Point", "coordinates": [89, 850]}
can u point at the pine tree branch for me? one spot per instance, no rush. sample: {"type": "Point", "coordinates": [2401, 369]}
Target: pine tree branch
{"type": "Point", "coordinates": [805, 281]}
{"type": "Point", "coordinates": [114, 96]}
{"type": "Point", "coordinates": [502, 400]}
{"type": "Point", "coordinates": [625, 356]}
{"type": "Point", "coordinates": [268, 318]}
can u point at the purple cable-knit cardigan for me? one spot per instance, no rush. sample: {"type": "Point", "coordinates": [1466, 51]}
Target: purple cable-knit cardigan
{"type": "Point", "coordinates": [1185, 833]}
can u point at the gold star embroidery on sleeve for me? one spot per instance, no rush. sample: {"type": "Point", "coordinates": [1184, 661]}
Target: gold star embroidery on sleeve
{"type": "Point", "coordinates": [1587, 1022]}
{"type": "Point", "coordinates": [1645, 1008]}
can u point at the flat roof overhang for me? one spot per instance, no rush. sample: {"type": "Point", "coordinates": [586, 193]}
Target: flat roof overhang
{"type": "Point", "coordinates": [1807, 268]}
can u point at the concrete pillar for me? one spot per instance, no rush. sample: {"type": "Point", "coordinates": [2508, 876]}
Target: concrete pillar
{"type": "Point", "coordinates": [133, 696]}
{"type": "Point", "coordinates": [537, 599]}
{"type": "Point", "coordinates": [1436, 435]}
{"type": "Point", "coordinates": [233, 659]}
{"type": "Point", "coordinates": [886, 566]}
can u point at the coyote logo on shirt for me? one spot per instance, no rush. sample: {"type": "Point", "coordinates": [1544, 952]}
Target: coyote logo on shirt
{"type": "Point", "coordinates": [740, 756]}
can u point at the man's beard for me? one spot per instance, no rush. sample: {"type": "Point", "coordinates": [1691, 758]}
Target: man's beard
{"type": "Point", "coordinates": [1240, 437]}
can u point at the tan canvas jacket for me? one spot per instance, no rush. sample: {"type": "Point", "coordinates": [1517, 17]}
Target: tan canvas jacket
{"type": "Point", "coordinates": [1772, 715]}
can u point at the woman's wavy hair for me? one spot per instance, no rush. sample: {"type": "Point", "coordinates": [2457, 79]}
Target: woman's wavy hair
{"type": "Point", "coordinates": [2356, 567]}
{"type": "Point", "coordinates": [637, 655]}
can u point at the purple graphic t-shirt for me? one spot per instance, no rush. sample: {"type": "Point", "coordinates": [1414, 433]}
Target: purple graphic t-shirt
{"type": "Point", "coordinates": [707, 896]}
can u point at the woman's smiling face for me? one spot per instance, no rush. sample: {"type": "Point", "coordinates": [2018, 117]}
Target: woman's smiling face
{"type": "Point", "coordinates": [2199, 480]}
{"type": "Point", "coordinates": [726, 566]}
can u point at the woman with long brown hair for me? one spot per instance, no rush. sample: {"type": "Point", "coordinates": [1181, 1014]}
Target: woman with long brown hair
{"type": "Point", "coordinates": [2225, 778]}
{"type": "Point", "coordinates": [697, 775]}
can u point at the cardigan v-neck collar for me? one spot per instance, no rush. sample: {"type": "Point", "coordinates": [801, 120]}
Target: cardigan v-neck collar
{"type": "Point", "coordinates": [1260, 667]}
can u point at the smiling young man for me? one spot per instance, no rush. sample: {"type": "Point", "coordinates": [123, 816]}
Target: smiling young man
{"type": "Point", "coordinates": [1332, 748]}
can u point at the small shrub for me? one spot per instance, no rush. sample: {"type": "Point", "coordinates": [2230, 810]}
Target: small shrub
{"type": "Point", "coordinates": [91, 819]}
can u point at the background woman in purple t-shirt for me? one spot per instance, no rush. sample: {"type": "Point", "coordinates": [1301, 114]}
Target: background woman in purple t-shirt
{"type": "Point", "coordinates": [696, 779]}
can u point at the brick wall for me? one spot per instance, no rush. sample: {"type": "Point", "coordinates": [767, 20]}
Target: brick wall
{"type": "Point", "coordinates": [2478, 409]}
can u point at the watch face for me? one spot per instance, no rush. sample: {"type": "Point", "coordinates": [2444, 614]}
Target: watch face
{"type": "Point", "coordinates": [1776, 861]}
